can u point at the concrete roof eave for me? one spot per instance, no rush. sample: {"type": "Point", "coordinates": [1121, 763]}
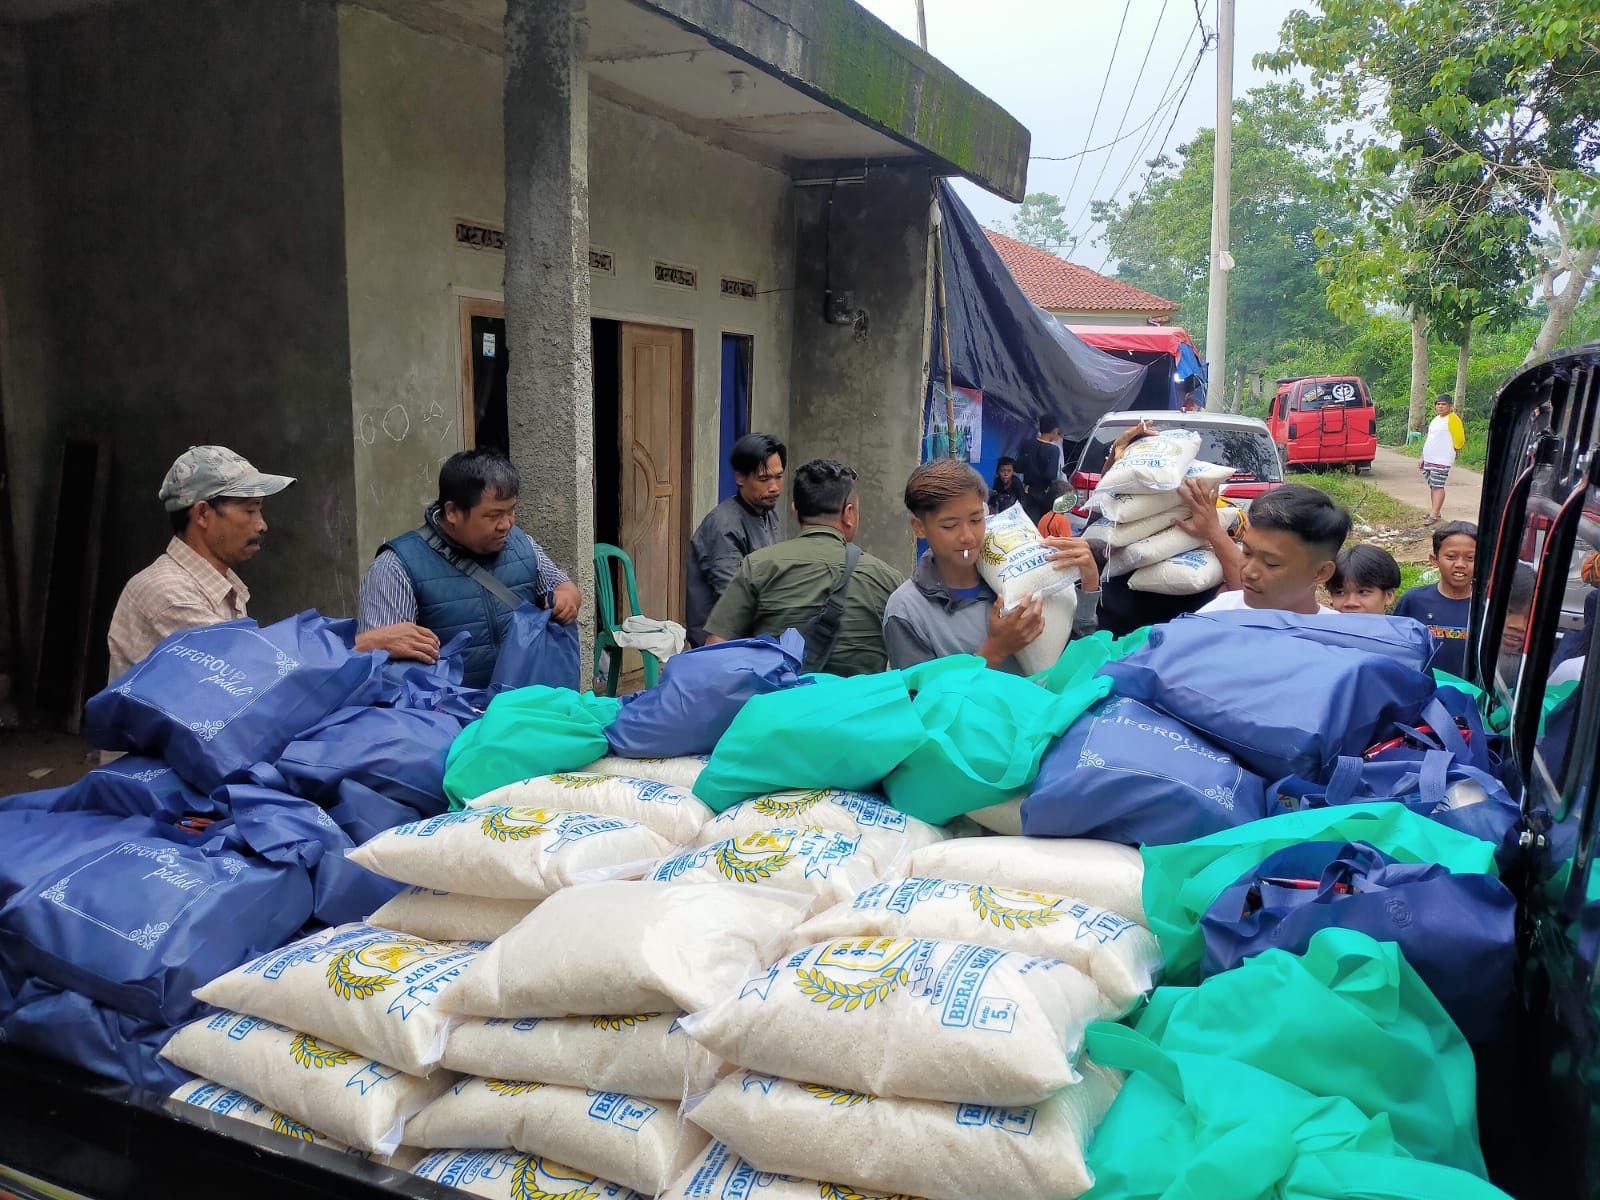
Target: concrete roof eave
{"type": "Point", "coordinates": [844, 57]}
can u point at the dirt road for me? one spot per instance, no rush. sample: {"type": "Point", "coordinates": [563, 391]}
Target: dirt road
{"type": "Point", "coordinates": [1396, 474]}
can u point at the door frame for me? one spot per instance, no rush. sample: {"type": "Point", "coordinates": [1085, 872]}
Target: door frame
{"type": "Point", "coordinates": [469, 305]}
{"type": "Point", "coordinates": [686, 427]}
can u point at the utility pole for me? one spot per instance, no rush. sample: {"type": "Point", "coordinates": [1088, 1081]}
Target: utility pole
{"type": "Point", "coordinates": [1221, 198]}
{"type": "Point", "coordinates": [922, 25]}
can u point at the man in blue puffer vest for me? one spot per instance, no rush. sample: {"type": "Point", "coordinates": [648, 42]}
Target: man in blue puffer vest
{"type": "Point", "coordinates": [462, 566]}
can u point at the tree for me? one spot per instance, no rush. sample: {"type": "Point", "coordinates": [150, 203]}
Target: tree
{"type": "Point", "coordinates": [1469, 123]}
{"type": "Point", "coordinates": [1161, 236]}
{"type": "Point", "coordinates": [1041, 222]}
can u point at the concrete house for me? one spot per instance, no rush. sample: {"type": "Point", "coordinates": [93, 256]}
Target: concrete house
{"type": "Point", "coordinates": [350, 237]}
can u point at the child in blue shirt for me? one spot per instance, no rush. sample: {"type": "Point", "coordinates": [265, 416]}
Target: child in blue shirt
{"type": "Point", "coordinates": [1444, 606]}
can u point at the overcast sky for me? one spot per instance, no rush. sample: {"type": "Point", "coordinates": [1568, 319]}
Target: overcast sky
{"type": "Point", "coordinates": [1045, 62]}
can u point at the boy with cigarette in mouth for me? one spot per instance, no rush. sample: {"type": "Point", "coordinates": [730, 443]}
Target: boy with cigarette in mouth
{"type": "Point", "coordinates": [945, 607]}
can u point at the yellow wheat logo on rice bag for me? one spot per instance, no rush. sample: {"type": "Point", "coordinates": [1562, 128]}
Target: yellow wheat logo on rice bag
{"type": "Point", "coordinates": [1000, 544]}
{"type": "Point", "coordinates": [576, 779]}
{"type": "Point", "coordinates": [513, 824]}
{"type": "Point", "coordinates": [864, 954]}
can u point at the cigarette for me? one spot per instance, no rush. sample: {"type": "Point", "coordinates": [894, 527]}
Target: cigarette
{"type": "Point", "coordinates": [966, 554]}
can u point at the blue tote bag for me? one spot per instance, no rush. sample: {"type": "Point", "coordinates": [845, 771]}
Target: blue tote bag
{"type": "Point", "coordinates": [537, 650]}
{"type": "Point", "coordinates": [137, 922]}
{"type": "Point", "coordinates": [1458, 932]}
{"type": "Point", "coordinates": [700, 693]}
{"type": "Point", "coordinates": [1437, 786]}
{"type": "Point", "coordinates": [212, 701]}
{"type": "Point", "coordinates": [1400, 638]}
{"type": "Point", "coordinates": [1124, 772]}
{"type": "Point", "coordinates": [397, 752]}
{"type": "Point", "coordinates": [136, 786]}
{"type": "Point", "coordinates": [1281, 704]}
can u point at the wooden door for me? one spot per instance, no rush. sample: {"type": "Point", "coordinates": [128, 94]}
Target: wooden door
{"type": "Point", "coordinates": [654, 478]}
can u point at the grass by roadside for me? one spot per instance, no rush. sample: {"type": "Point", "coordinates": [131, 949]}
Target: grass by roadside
{"type": "Point", "coordinates": [1379, 518]}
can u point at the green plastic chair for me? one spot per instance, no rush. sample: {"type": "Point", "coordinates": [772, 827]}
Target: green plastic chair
{"type": "Point", "coordinates": [1413, 437]}
{"type": "Point", "coordinates": [608, 620]}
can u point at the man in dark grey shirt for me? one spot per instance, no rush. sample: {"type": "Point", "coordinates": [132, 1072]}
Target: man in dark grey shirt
{"type": "Point", "coordinates": [745, 521]}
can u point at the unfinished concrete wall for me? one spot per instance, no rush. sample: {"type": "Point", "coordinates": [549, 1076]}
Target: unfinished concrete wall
{"type": "Point", "coordinates": [858, 398]}
{"type": "Point", "coordinates": [190, 231]}
{"type": "Point", "coordinates": [423, 149]}
{"type": "Point", "coordinates": [658, 193]}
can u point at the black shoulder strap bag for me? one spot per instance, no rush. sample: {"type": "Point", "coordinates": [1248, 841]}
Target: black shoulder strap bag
{"type": "Point", "coordinates": [823, 631]}
{"type": "Point", "coordinates": [472, 570]}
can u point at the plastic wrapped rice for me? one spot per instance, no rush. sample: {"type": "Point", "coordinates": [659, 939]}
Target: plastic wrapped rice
{"type": "Point", "coordinates": [670, 809]}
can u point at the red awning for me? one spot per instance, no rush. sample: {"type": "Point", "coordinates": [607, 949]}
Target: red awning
{"type": "Point", "coordinates": [1160, 339]}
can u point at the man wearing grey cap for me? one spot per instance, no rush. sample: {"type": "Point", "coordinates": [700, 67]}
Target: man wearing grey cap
{"type": "Point", "coordinates": [213, 498]}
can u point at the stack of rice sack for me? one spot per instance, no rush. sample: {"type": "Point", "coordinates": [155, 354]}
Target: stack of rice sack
{"type": "Point", "coordinates": [569, 1032]}
{"type": "Point", "coordinates": [554, 1091]}
{"type": "Point", "coordinates": [474, 873]}
{"type": "Point", "coordinates": [1138, 497]}
{"type": "Point", "coordinates": [342, 1031]}
{"type": "Point", "coordinates": [923, 1038]}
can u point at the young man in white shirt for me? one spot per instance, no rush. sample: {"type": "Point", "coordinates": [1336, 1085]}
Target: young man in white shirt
{"type": "Point", "coordinates": [1286, 554]}
{"type": "Point", "coordinates": [1444, 442]}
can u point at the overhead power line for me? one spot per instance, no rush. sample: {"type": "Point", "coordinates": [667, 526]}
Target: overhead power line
{"type": "Point", "coordinates": [1150, 174]}
{"type": "Point", "coordinates": [1104, 83]}
{"type": "Point", "coordinates": [1139, 78]}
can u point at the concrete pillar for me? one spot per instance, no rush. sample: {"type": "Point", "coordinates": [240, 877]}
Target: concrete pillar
{"type": "Point", "coordinates": [549, 392]}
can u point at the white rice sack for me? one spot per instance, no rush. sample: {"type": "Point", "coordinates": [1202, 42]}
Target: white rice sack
{"type": "Point", "coordinates": [1041, 653]}
{"type": "Point", "coordinates": [371, 990]}
{"type": "Point", "coordinates": [1207, 472]}
{"type": "Point", "coordinates": [679, 772]}
{"type": "Point", "coordinates": [230, 1102]}
{"type": "Point", "coordinates": [1122, 510]}
{"type": "Point", "coordinates": [670, 809]}
{"type": "Point", "coordinates": [829, 867]}
{"type": "Point", "coordinates": [916, 1018]}
{"type": "Point", "coordinates": [448, 916]}
{"type": "Point", "coordinates": [510, 853]}
{"type": "Point", "coordinates": [629, 947]}
{"type": "Point", "coordinates": [720, 1174]}
{"type": "Point", "coordinates": [1150, 550]}
{"type": "Point", "coordinates": [647, 1054]}
{"type": "Point", "coordinates": [512, 1175]}
{"type": "Point", "coordinates": [849, 813]}
{"type": "Point", "coordinates": [362, 1103]}
{"type": "Point", "coordinates": [1005, 817]}
{"type": "Point", "coordinates": [1184, 574]}
{"type": "Point", "coordinates": [1104, 874]}
{"type": "Point", "coordinates": [1152, 464]}
{"type": "Point", "coordinates": [1016, 563]}
{"type": "Point", "coordinates": [641, 1144]}
{"type": "Point", "coordinates": [911, 1147]}
{"type": "Point", "coordinates": [1122, 958]}
{"type": "Point", "coordinates": [1125, 533]}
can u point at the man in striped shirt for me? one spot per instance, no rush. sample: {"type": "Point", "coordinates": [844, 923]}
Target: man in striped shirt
{"type": "Point", "coordinates": [213, 498]}
{"type": "Point", "coordinates": [467, 566]}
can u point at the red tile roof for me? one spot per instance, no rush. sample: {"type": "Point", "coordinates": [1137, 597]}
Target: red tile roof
{"type": "Point", "coordinates": [1060, 286]}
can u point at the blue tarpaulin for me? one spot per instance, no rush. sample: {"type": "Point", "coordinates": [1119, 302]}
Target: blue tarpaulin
{"type": "Point", "coordinates": [1022, 359]}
